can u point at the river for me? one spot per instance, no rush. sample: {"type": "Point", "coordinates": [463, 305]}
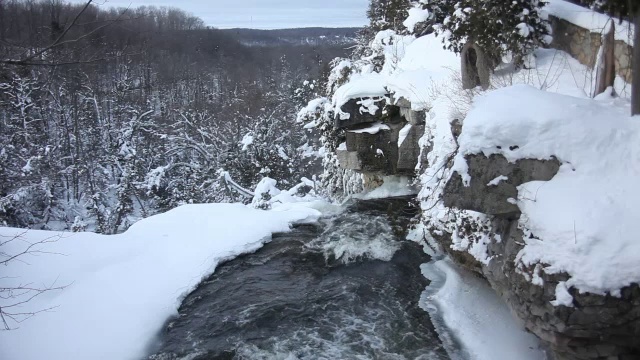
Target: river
{"type": "Point", "coordinates": [346, 288]}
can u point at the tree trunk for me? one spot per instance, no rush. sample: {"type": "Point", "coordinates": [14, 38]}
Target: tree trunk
{"type": "Point", "coordinates": [635, 65]}
{"type": "Point", "coordinates": [606, 71]}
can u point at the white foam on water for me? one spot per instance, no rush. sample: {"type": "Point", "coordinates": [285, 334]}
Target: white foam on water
{"type": "Point", "coordinates": [348, 240]}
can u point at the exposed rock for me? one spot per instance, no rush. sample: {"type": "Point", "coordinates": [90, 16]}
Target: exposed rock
{"type": "Point", "coordinates": [400, 102]}
{"type": "Point", "coordinates": [413, 117]}
{"type": "Point", "coordinates": [494, 199]}
{"type": "Point", "coordinates": [622, 56]}
{"type": "Point", "coordinates": [375, 152]}
{"type": "Point", "coordinates": [596, 327]}
{"type": "Point", "coordinates": [580, 43]}
{"type": "Point", "coordinates": [371, 181]}
{"type": "Point", "coordinates": [349, 160]}
{"type": "Point", "coordinates": [606, 72]}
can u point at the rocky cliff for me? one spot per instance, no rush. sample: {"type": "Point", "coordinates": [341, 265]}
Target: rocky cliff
{"type": "Point", "coordinates": [381, 140]}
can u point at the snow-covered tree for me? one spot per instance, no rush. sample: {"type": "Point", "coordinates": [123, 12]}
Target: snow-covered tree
{"type": "Point", "coordinates": [387, 14]}
{"type": "Point", "coordinates": [503, 30]}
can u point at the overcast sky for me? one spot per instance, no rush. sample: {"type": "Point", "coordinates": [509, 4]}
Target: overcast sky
{"type": "Point", "coordinates": [263, 14]}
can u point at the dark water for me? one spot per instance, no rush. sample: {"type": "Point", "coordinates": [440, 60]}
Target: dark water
{"type": "Point", "coordinates": [347, 288]}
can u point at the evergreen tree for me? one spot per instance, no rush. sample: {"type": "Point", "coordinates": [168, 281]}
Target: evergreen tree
{"type": "Point", "coordinates": [387, 14]}
{"type": "Point", "coordinates": [512, 29]}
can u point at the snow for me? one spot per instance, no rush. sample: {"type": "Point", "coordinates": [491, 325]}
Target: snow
{"type": "Point", "coordinates": [402, 135]}
{"type": "Point", "coordinates": [122, 288]}
{"type": "Point", "coordinates": [359, 86]}
{"type": "Point", "coordinates": [497, 180]}
{"type": "Point", "coordinates": [310, 111]}
{"type": "Point", "coordinates": [392, 186]}
{"type": "Point", "coordinates": [524, 30]}
{"type": "Point", "coordinates": [563, 297]}
{"type": "Point", "coordinates": [373, 129]}
{"type": "Point", "coordinates": [266, 186]}
{"type": "Point", "coordinates": [591, 20]}
{"type": "Point", "coordinates": [471, 319]}
{"type": "Point", "coordinates": [425, 65]}
{"type": "Point", "coordinates": [582, 221]}
{"type": "Point", "coordinates": [246, 141]}
{"type": "Point", "coordinates": [392, 46]}
{"type": "Point", "coordinates": [556, 71]}
{"type": "Point", "coordinates": [416, 16]}
{"type": "Point", "coordinates": [368, 106]}
{"type": "Point", "coordinates": [413, 69]}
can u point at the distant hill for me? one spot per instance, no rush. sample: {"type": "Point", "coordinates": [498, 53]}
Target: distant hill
{"type": "Point", "coordinates": [301, 36]}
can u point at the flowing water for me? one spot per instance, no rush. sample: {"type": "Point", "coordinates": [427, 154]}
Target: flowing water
{"type": "Point", "coordinates": [347, 288]}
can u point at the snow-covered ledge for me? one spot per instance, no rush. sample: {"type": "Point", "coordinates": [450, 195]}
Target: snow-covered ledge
{"type": "Point", "coordinates": [567, 262]}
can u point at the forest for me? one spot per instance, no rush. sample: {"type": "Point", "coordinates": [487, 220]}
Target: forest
{"type": "Point", "coordinates": [111, 115]}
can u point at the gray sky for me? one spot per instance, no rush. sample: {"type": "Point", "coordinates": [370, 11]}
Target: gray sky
{"type": "Point", "coordinates": [263, 14]}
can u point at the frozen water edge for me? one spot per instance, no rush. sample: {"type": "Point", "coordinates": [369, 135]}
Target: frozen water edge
{"type": "Point", "coordinates": [471, 319]}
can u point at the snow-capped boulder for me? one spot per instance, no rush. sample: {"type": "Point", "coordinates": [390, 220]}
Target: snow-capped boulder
{"type": "Point", "coordinates": [492, 189]}
{"type": "Point", "coordinates": [361, 111]}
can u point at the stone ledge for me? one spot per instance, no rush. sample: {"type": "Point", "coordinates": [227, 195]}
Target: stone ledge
{"type": "Point", "coordinates": [493, 200]}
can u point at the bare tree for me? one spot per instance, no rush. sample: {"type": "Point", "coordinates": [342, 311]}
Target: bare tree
{"type": "Point", "coordinates": [14, 298]}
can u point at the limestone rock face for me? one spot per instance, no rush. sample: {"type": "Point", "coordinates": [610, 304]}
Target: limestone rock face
{"type": "Point", "coordinates": [413, 117]}
{"type": "Point", "coordinates": [584, 45]}
{"type": "Point", "coordinates": [372, 145]}
{"type": "Point", "coordinates": [595, 327]}
{"type": "Point", "coordinates": [494, 181]}
{"type": "Point", "coordinates": [376, 152]}
{"type": "Point", "coordinates": [349, 160]}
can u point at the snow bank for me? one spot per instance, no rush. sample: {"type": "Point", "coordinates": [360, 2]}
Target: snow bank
{"type": "Point", "coordinates": [359, 86]}
{"type": "Point", "coordinates": [413, 68]}
{"type": "Point", "coordinates": [471, 319]}
{"type": "Point", "coordinates": [583, 221]}
{"type": "Point", "coordinates": [424, 66]}
{"type": "Point", "coordinates": [591, 20]}
{"type": "Point", "coordinates": [122, 288]}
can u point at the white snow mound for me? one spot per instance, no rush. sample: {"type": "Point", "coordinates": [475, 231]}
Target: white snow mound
{"type": "Point", "coordinates": [122, 288]}
{"type": "Point", "coordinates": [584, 219]}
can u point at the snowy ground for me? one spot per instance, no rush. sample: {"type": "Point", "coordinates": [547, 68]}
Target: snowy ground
{"type": "Point", "coordinates": [472, 320]}
{"type": "Point", "coordinates": [121, 289]}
